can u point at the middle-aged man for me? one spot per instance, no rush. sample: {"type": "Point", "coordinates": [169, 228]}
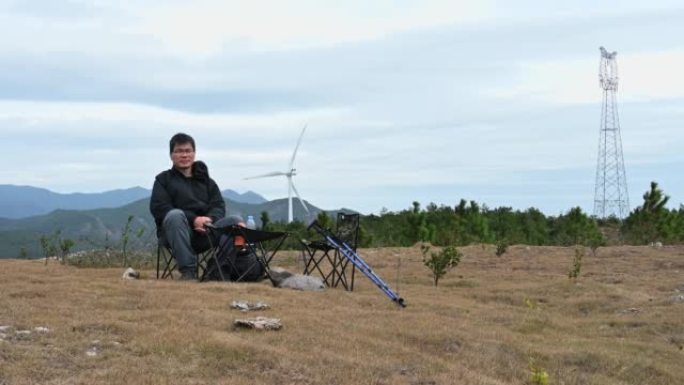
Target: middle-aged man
{"type": "Point", "coordinates": [185, 200]}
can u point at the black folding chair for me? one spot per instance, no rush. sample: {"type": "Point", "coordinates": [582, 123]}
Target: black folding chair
{"type": "Point", "coordinates": [322, 257]}
{"type": "Point", "coordinates": [166, 263]}
{"type": "Point", "coordinates": [226, 254]}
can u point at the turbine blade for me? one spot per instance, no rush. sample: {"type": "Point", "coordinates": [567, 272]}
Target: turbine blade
{"type": "Point", "coordinates": [300, 198]}
{"type": "Point", "coordinates": [297, 146]}
{"type": "Point", "coordinates": [275, 173]}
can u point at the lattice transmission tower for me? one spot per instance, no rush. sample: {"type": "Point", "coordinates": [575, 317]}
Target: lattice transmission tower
{"type": "Point", "coordinates": [610, 194]}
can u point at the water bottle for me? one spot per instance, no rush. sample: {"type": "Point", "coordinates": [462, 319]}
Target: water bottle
{"type": "Point", "coordinates": [250, 223]}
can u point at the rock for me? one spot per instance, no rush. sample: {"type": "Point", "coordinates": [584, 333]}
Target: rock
{"type": "Point", "coordinates": [247, 306]}
{"type": "Point", "coordinates": [131, 274]}
{"type": "Point", "coordinates": [259, 323]}
{"type": "Point", "coordinates": [284, 279]}
{"type": "Point", "coordinates": [678, 298]}
{"type": "Point", "coordinates": [41, 329]}
{"type": "Point", "coordinates": [92, 352]}
{"type": "Point", "coordinates": [303, 282]}
{"type": "Point", "coordinates": [4, 328]}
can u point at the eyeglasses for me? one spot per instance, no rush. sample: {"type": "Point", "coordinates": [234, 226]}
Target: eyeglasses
{"type": "Point", "coordinates": [183, 151]}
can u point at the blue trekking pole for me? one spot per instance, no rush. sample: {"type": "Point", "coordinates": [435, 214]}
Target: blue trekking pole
{"type": "Point", "coordinates": [357, 261]}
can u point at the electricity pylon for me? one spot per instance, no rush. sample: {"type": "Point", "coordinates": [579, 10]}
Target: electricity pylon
{"type": "Point", "coordinates": [610, 194]}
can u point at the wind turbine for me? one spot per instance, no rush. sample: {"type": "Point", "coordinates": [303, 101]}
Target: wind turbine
{"type": "Point", "coordinates": [289, 174]}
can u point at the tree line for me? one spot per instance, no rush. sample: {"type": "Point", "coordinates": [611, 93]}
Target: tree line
{"type": "Point", "coordinates": [462, 224]}
{"type": "Point", "coordinates": [469, 222]}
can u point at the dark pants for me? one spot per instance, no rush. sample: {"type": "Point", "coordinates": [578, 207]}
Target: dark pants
{"type": "Point", "coordinates": [185, 242]}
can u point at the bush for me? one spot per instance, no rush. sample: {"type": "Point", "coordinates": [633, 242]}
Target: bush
{"type": "Point", "coordinates": [574, 271]}
{"type": "Point", "coordinates": [440, 263]}
{"type": "Point", "coordinates": [501, 247]}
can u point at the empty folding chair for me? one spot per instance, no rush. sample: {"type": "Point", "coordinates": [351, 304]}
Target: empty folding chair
{"type": "Point", "coordinates": [325, 259]}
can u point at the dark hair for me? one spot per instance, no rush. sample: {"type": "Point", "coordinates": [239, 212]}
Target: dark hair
{"type": "Point", "coordinates": [181, 138]}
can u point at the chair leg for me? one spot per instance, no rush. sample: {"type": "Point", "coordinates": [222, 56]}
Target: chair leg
{"type": "Point", "coordinates": [158, 257]}
{"type": "Point", "coordinates": [169, 263]}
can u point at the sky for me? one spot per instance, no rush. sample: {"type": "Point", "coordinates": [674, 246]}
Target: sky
{"type": "Point", "coordinates": [429, 101]}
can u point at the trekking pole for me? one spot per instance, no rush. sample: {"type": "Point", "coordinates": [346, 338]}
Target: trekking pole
{"type": "Point", "coordinates": [357, 261]}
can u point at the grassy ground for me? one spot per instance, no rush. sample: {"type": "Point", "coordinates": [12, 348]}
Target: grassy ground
{"type": "Point", "coordinates": [488, 322]}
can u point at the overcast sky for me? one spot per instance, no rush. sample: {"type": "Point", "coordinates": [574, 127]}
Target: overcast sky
{"type": "Point", "coordinates": [434, 101]}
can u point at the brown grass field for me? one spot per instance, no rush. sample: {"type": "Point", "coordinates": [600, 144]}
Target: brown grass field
{"type": "Point", "coordinates": [622, 322]}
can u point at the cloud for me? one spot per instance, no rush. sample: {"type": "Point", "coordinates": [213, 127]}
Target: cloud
{"type": "Point", "coordinates": [404, 101]}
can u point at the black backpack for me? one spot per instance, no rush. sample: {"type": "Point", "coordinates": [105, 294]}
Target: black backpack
{"type": "Point", "coordinates": [235, 265]}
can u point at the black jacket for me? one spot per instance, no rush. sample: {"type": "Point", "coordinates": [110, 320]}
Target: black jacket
{"type": "Point", "coordinates": [196, 196]}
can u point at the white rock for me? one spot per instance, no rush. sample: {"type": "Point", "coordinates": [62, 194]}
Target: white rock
{"type": "Point", "coordinates": [303, 282]}
{"type": "Point", "coordinates": [92, 352]}
{"type": "Point", "coordinates": [261, 323]}
{"type": "Point", "coordinates": [247, 306]}
{"type": "Point", "coordinates": [23, 332]}
{"type": "Point", "coordinates": [130, 274]}
{"type": "Point", "coordinates": [285, 279]}
{"type": "Point", "coordinates": [41, 329]}
{"type": "Point", "coordinates": [4, 328]}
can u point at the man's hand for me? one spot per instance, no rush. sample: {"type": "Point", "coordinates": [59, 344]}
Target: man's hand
{"type": "Point", "coordinates": [199, 223]}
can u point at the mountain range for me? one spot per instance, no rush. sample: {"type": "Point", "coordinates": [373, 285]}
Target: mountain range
{"type": "Point", "coordinates": [27, 201]}
{"type": "Point", "coordinates": [98, 220]}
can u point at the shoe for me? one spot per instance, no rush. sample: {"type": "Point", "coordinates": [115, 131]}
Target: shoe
{"type": "Point", "coordinates": [188, 276]}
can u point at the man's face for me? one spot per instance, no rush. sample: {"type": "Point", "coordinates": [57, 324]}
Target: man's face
{"type": "Point", "coordinates": [183, 156]}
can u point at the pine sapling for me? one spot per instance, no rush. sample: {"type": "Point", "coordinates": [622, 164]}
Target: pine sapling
{"type": "Point", "coordinates": [440, 263]}
{"type": "Point", "coordinates": [501, 247]}
{"type": "Point", "coordinates": [574, 271]}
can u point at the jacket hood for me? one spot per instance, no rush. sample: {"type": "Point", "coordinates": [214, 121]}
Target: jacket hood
{"type": "Point", "coordinates": [200, 170]}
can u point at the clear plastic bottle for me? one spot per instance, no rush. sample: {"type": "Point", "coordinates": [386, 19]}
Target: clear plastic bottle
{"type": "Point", "coordinates": [250, 222]}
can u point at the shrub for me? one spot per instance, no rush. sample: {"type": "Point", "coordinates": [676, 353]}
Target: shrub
{"type": "Point", "coordinates": [440, 263]}
{"type": "Point", "coordinates": [574, 272]}
{"type": "Point", "coordinates": [501, 247]}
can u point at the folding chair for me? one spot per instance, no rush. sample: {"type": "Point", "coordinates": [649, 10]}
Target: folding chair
{"type": "Point", "coordinates": [226, 255]}
{"type": "Point", "coordinates": [201, 245]}
{"type": "Point", "coordinates": [326, 259]}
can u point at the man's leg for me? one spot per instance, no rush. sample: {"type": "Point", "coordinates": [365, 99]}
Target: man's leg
{"type": "Point", "coordinates": [177, 234]}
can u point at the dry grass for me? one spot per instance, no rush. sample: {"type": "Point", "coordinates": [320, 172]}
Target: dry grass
{"type": "Point", "coordinates": [621, 323]}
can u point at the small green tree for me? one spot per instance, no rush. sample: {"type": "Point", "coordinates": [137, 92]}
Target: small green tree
{"type": "Point", "coordinates": [501, 247]}
{"type": "Point", "coordinates": [652, 221]}
{"type": "Point", "coordinates": [595, 241]}
{"type": "Point", "coordinates": [538, 376]}
{"type": "Point", "coordinates": [47, 246]}
{"type": "Point", "coordinates": [324, 220]}
{"type": "Point", "coordinates": [440, 263]}
{"type": "Point", "coordinates": [125, 234]}
{"type": "Point", "coordinates": [126, 238]}
{"type": "Point", "coordinates": [265, 220]}
{"type": "Point", "coordinates": [23, 254]}
{"type": "Point", "coordinates": [574, 271]}
{"type": "Point", "coordinates": [65, 246]}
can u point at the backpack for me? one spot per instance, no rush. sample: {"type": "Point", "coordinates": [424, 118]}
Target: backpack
{"type": "Point", "coordinates": [236, 264]}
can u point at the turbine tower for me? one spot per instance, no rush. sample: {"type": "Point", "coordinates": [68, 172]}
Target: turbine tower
{"type": "Point", "coordinates": [289, 174]}
{"type": "Point", "coordinates": [610, 193]}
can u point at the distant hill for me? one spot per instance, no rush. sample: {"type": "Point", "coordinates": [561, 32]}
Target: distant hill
{"type": "Point", "coordinates": [248, 197]}
{"type": "Point", "coordinates": [28, 201]}
{"type": "Point", "coordinates": [104, 226]}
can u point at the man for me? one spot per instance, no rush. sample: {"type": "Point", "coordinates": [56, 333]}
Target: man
{"type": "Point", "coordinates": [185, 200]}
